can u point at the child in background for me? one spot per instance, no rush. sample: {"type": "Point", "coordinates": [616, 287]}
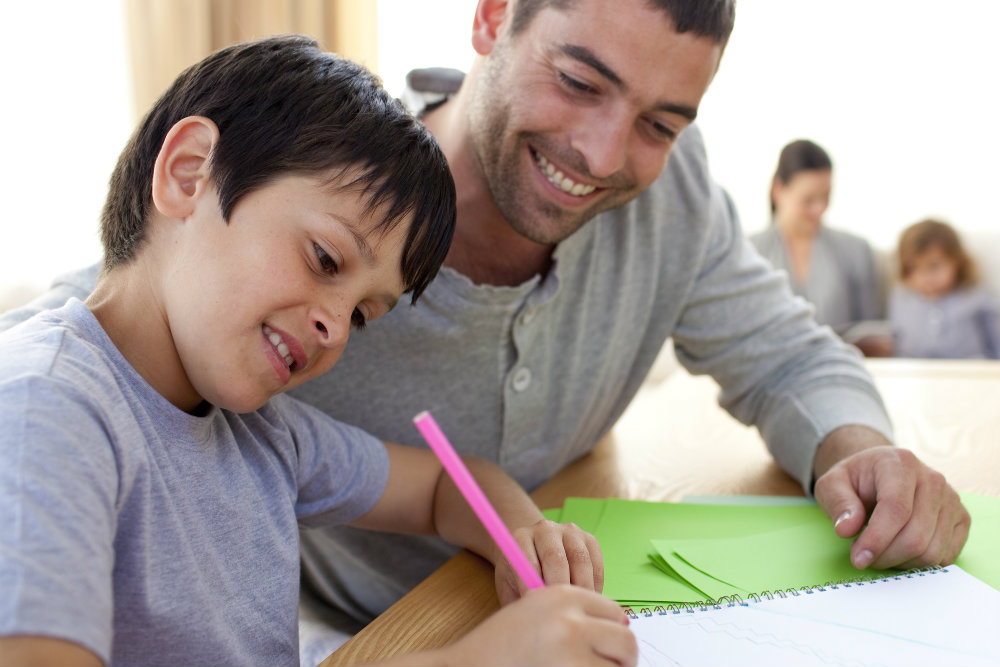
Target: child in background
{"type": "Point", "coordinates": [938, 310]}
{"type": "Point", "coordinates": [152, 479]}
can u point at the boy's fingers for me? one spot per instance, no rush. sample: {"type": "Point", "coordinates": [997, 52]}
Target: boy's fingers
{"type": "Point", "coordinates": [578, 556]}
{"type": "Point", "coordinates": [552, 557]}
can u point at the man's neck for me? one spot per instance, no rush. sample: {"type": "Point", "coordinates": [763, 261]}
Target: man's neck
{"type": "Point", "coordinates": [485, 248]}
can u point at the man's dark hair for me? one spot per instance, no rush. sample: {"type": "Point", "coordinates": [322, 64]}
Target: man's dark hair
{"type": "Point", "coordinates": [800, 155]}
{"type": "Point", "coordinates": [284, 106]}
{"type": "Point", "coordinates": [705, 18]}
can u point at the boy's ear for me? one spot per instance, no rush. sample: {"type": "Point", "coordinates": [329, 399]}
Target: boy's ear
{"type": "Point", "coordinates": [181, 171]}
{"type": "Point", "coordinates": [490, 16]}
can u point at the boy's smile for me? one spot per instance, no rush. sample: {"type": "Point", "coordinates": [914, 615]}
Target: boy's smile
{"type": "Point", "coordinates": [257, 306]}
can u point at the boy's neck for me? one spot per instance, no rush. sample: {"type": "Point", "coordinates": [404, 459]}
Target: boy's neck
{"type": "Point", "coordinates": [127, 306]}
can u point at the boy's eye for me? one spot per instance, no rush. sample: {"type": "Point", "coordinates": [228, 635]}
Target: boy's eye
{"type": "Point", "coordinates": [326, 263]}
{"type": "Point", "coordinates": [358, 320]}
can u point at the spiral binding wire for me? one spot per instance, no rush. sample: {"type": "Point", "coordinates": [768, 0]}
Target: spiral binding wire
{"type": "Point", "coordinates": [736, 600]}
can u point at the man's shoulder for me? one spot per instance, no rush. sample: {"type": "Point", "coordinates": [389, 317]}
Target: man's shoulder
{"type": "Point", "coordinates": [78, 284]}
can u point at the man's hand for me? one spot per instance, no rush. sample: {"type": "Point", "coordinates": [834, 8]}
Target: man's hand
{"type": "Point", "coordinates": [914, 517]}
{"type": "Point", "coordinates": [562, 552]}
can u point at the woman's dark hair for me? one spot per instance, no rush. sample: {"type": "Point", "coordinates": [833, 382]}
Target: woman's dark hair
{"type": "Point", "coordinates": [800, 155]}
{"type": "Point", "coordinates": [282, 106]}
{"type": "Point", "coordinates": [920, 237]}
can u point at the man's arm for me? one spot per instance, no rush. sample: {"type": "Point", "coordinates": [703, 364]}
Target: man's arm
{"type": "Point", "coordinates": [806, 391]}
{"type": "Point", "coordinates": [914, 518]}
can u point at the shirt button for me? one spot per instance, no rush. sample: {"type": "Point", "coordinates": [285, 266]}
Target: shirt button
{"type": "Point", "coordinates": [527, 316]}
{"type": "Point", "coordinates": [522, 379]}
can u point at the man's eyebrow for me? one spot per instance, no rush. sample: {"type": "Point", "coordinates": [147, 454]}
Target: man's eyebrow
{"type": "Point", "coordinates": [589, 58]}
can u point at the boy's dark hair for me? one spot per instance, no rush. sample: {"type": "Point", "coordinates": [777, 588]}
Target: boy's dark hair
{"type": "Point", "coordinates": [921, 236]}
{"type": "Point", "coordinates": [282, 106]}
{"type": "Point", "coordinates": [705, 18]}
{"type": "Point", "coordinates": [799, 155]}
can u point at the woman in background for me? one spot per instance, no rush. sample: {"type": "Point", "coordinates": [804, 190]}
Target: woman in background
{"type": "Point", "coordinates": [939, 310]}
{"type": "Point", "coordinates": [832, 269]}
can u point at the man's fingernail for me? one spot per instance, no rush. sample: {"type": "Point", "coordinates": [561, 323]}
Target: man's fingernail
{"type": "Point", "coordinates": [843, 517]}
{"type": "Point", "coordinates": [863, 559]}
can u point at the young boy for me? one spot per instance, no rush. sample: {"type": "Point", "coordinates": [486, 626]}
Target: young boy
{"type": "Point", "coordinates": [152, 480]}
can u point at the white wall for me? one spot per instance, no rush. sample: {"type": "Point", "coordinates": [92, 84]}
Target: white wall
{"type": "Point", "coordinates": [65, 117]}
{"type": "Point", "coordinates": [902, 93]}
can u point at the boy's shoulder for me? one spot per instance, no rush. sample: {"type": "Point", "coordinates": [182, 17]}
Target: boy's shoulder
{"type": "Point", "coordinates": [42, 343]}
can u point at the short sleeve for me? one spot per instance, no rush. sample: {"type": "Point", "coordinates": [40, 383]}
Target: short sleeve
{"type": "Point", "coordinates": [58, 485]}
{"type": "Point", "coordinates": [342, 470]}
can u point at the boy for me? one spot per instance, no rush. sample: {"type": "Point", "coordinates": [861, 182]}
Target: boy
{"type": "Point", "coordinates": [152, 480]}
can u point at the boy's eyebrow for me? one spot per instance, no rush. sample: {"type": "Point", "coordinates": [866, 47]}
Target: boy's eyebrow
{"type": "Point", "coordinates": [590, 59]}
{"type": "Point", "coordinates": [368, 256]}
{"type": "Point", "coordinates": [365, 250]}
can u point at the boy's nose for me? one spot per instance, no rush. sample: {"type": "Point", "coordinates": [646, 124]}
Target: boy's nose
{"type": "Point", "coordinates": [332, 326]}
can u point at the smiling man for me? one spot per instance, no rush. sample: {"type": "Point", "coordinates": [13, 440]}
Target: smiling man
{"type": "Point", "coordinates": [589, 232]}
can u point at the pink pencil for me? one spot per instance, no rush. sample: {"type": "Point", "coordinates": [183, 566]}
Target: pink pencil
{"type": "Point", "coordinates": [474, 495]}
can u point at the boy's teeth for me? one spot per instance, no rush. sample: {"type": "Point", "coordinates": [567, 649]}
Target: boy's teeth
{"type": "Point", "coordinates": [280, 345]}
{"type": "Point", "coordinates": [560, 180]}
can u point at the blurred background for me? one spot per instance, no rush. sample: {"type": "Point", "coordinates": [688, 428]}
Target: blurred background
{"type": "Point", "coordinates": [897, 91]}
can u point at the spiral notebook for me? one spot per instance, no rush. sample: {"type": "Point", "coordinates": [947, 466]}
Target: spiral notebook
{"type": "Point", "coordinates": [941, 616]}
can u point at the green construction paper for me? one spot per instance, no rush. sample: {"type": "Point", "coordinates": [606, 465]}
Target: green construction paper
{"type": "Point", "coordinates": [808, 554]}
{"type": "Point", "coordinates": [981, 555]}
{"type": "Point", "coordinates": [553, 514]}
{"type": "Point", "coordinates": [708, 586]}
{"type": "Point", "coordinates": [626, 526]}
{"type": "Point", "coordinates": [584, 512]}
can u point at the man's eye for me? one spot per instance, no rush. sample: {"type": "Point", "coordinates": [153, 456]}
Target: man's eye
{"type": "Point", "coordinates": [358, 320]}
{"type": "Point", "coordinates": [575, 84]}
{"type": "Point", "coordinates": [326, 263]}
{"type": "Point", "coordinates": [662, 131]}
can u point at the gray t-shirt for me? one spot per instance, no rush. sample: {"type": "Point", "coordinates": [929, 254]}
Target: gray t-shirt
{"type": "Point", "coordinates": [962, 324]}
{"type": "Point", "coordinates": [533, 376]}
{"type": "Point", "coordinates": [844, 284]}
{"type": "Point", "coordinates": [149, 535]}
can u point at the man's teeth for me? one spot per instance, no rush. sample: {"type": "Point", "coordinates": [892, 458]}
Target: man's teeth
{"type": "Point", "coordinates": [560, 180]}
{"type": "Point", "coordinates": [279, 344]}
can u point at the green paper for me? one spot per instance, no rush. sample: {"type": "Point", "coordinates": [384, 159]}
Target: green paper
{"type": "Point", "coordinates": [710, 587]}
{"type": "Point", "coordinates": [809, 554]}
{"type": "Point", "coordinates": [625, 527]}
{"type": "Point", "coordinates": [981, 555]}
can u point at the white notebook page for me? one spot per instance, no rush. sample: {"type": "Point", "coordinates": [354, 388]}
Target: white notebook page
{"type": "Point", "coordinates": [940, 617]}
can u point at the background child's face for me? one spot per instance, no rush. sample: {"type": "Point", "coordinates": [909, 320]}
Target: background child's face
{"type": "Point", "coordinates": [932, 273]}
{"type": "Point", "coordinates": [266, 302]}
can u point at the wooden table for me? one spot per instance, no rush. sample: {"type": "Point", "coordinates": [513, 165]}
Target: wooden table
{"type": "Point", "coordinates": [675, 441]}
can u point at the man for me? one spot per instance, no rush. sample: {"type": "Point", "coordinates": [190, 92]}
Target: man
{"type": "Point", "coordinates": [579, 249]}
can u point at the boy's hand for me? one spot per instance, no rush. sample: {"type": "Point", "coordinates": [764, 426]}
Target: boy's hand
{"type": "Point", "coordinates": [555, 625]}
{"type": "Point", "coordinates": [561, 552]}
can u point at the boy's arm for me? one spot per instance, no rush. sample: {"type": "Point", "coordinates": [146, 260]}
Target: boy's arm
{"type": "Point", "coordinates": [34, 650]}
{"type": "Point", "coordinates": [420, 497]}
